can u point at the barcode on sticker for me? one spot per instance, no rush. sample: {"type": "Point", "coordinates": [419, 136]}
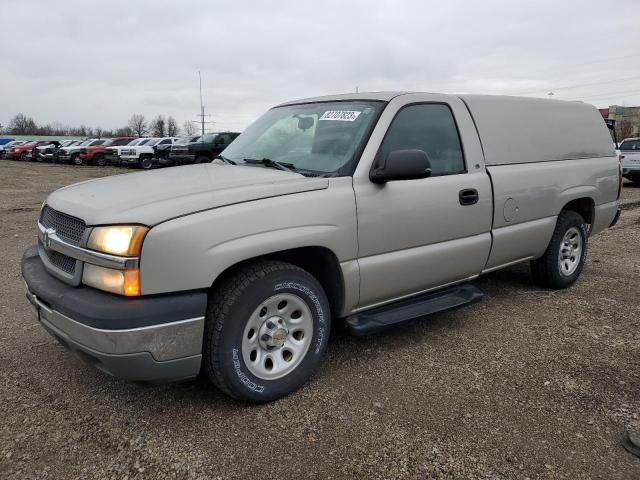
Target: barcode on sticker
{"type": "Point", "coordinates": [341, 115]}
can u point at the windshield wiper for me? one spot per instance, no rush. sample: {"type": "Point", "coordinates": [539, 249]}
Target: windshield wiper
{"type": "Point", "coordinates": [267, 162]}
{"type": "Point", "coordinates": [226, 160]}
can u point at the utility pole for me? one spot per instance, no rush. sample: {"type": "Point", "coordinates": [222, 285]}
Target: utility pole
{"type": "Point", "coordinates": [202, 115]}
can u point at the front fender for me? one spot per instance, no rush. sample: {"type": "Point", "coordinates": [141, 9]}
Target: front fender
{"type": "Point", "coordinates": [190, 252]}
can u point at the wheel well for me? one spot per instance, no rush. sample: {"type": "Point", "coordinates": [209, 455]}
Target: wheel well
{"type": "Point", "coordinates": [584, 206]}
{"type": "Point", "coordinates": [318, 261]}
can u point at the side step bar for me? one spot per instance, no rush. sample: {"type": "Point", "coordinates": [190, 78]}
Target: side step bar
{"type": "Point", "coordinates": [382, 318]}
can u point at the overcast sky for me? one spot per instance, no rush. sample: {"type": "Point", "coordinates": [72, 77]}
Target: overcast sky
{"type": "Point", "coordinates": [96, 63]}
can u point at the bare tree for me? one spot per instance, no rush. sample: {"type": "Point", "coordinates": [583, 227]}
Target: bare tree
{"type": "Point", "coordinates": [138, 124]}
{"type": "Point", "coordinates": [158, 126]}
{"type": "Point", "coordinates": [189, 128]}
{"type": "Point", "coordinates": [22, 125]}
{"type": "Point", "coordinates": [624, 129]}
{"type": "Point", "coordinates": [172, 127]}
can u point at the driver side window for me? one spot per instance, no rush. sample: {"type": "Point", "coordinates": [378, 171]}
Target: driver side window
{"type": "Point", "coordinates": [431, 128]}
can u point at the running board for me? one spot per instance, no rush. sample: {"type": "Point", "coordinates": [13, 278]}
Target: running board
{"type": "Point", "coordinates": [382, 318]}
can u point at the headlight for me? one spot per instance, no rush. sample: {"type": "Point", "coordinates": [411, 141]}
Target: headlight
{"type": "Point", "coordinates": [125, 240]}
{"type": "Point", "coordinates": [122, 282]}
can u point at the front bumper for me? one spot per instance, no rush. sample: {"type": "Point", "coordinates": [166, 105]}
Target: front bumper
{"type": "Point", "coordinates": [124, 160]}
{"type": "Point", "coordinates": [155, 338]}
{"type": "Point", "coordinates": [631, 169]}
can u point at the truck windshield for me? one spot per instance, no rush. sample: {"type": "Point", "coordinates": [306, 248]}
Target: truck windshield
{"type": "Point", "coordinates": [316, 137]}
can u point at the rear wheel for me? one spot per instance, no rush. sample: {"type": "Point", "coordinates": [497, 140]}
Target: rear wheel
{"type": "Point", "coordinates": [76, 159]}
{"type": "Point", "coordinates": [23, 157]}
{"type": "Point", "coordinates": [267, 328]}
{"type": "Point", "coordinates": [562, 262]}
{"type": "Point", "coordinates": [202, 159]}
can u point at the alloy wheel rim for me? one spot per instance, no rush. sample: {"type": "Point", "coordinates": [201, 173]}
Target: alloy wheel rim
{"type": "Point", "coordinates": [277, 336]}
{"type": "Point", "coordinates": [570, 252]}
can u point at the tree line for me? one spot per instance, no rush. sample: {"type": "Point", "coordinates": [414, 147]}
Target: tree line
{"type": "Point", "coordinates": [138, 125]}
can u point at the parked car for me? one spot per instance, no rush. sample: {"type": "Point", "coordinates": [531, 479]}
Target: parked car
{"type": "Point", "coordinates": [23, 152]}
{"type": "Point", "coordinates": [162, 151]}
{"type": "Point", "coordinates": [71, 154]}
{"type": "Point", "coordinates": [47, 152]}
{"type": "Point", "coordinates": [4, 149]}
{"type": "Point", "coordinates": [141, 155]}
{"type": "Point", "coordinates": [95, 154]}
{"type": "Point", "coordinates": [630, 159]}
{"type": "Point", "coordinates": [371, 208]}
{"type": "Point", "coordinates": [112, 154]}
{"type": "Point", "coordinates": [6, 140]}
{"type": "Point", "coordinates": [34, 154]}
{"type": "Point", "coordinates": [204, 150]}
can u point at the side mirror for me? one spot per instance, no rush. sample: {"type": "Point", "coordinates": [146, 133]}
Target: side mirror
{"type": "Point", "coordinates": [402, 165]}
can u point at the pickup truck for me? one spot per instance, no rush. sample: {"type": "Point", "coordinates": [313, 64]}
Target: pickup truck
{"type": "Point", "coordinates": [71, 153]}
{"type": "Point", "coordinates": [629, 151]}
{"type": "Point", "coordinates": [204, 150]}
{"type": "Point", "coordinates": [373, 209]}
{"type": "Point", "coordinates": [95, 154]}
{"type": "Point", "coordinates": [25, 151]}
{"type": "Point", "coordinates": [142, 155]}
{"type": "Point", "coordinates": [162, 151]}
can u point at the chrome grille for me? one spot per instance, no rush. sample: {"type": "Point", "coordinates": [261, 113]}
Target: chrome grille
{"type": "Point", "coordinates": [67, 227]}
{"type": "Point", "coordinates": [61, 261]}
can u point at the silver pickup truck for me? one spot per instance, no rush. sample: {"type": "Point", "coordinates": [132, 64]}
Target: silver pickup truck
{"type": "Point", "coordinates": [371, 208]}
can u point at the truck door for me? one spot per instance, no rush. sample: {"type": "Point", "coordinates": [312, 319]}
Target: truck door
{"type": "Point", "coordinates": [417, 235]}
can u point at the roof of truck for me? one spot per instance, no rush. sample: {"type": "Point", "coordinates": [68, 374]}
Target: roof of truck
{"type": "Point", "coordinates": [520, 129]}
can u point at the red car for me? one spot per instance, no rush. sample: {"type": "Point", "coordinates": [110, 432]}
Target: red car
{"type": "Point", "coordinates": [95, 154]}
{"type": "Point", "coordinates": [21, 152]}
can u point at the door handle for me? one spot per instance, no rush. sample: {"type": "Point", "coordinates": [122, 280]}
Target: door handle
{"type": "Point", "coordinates": [468, 196]}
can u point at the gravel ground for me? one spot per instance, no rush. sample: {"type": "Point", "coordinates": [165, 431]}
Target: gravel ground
{"type": "Point", "coordinates": [528, 383]}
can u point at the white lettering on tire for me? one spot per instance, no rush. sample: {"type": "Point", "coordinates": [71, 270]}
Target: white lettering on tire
{"type": "Point", "coordinates": [242, 376]}
{"type": "Point", "coordinates": [316, 303]}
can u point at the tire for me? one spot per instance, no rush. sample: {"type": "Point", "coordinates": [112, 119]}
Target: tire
{"type": "Point", "coordinates": [556, 269]}
{"type": "Point", "coordinates": [145, 162]}
{"type": "Point", "coordinates": [635, 179]}
{"type": "Point", "coordinates": [99, 160]}
{"type": "Point", "coordinates": [23, 157]}
{"type": "Point", "coordinates": [235, 356]}
{"type": "Point", "coordinates": [76, 159]}
{"type": "Point", "coordinates": [202, 159]}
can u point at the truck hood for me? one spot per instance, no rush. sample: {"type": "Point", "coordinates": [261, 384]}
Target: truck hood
{"type": "Point", "coordinates": [153, 197]}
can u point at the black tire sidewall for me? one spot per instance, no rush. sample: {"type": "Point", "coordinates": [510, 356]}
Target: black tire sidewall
{"type": "Point", "coordinates": [75, 159]}
{"type": "Point", "coordinates": [99, 160]}
{"type": "Point", "coordinates": [237, 377]}
{"type": "Point", "coordinates": [146, 159]}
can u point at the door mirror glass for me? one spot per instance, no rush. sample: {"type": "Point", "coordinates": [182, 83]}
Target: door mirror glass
{"type": "Point", "coordinates": [402, 165]}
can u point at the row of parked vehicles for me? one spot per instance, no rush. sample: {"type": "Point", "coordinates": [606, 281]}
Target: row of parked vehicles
{"type": "Point", "coordinates": [142, 153]}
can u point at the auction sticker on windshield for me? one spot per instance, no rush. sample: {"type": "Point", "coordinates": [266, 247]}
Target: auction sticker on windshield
{"type": "Point", "coordinates": [341, 115]}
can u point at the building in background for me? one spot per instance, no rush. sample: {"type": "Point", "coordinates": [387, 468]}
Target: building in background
{"type": "Point", "coordinates": [627, 120]}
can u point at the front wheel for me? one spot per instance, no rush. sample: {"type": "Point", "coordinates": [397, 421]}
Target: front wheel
{"type": "Point", "coordinates": [562, 262]}
{"type": "Point", "coordinates": [267, 328]}
{"type": "Point", "coordinates": [76, 159]}
{"type": "Point", "coordinates": [99, 160]}
{"type": "Point", "coordinates": [202, 159]}
{"type": "Point", "coordinates": [146, 162]}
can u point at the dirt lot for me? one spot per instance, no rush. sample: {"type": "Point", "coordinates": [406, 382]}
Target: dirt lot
{"type": "Point", "coordinates": [528, 383]}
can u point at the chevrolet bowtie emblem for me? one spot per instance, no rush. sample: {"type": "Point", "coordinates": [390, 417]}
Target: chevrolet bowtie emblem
{"type": "Point", "coordinates": [46, 240]}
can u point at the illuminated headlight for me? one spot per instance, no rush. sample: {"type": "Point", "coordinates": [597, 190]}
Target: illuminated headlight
{"type": "Point", "coordinates": [124, 240]}
{"type": "Point", "coordinates": [122, 282]}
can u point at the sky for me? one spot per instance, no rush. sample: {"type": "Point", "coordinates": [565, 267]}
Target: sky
{"type": "Point", "coordinates": [96, 63]}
